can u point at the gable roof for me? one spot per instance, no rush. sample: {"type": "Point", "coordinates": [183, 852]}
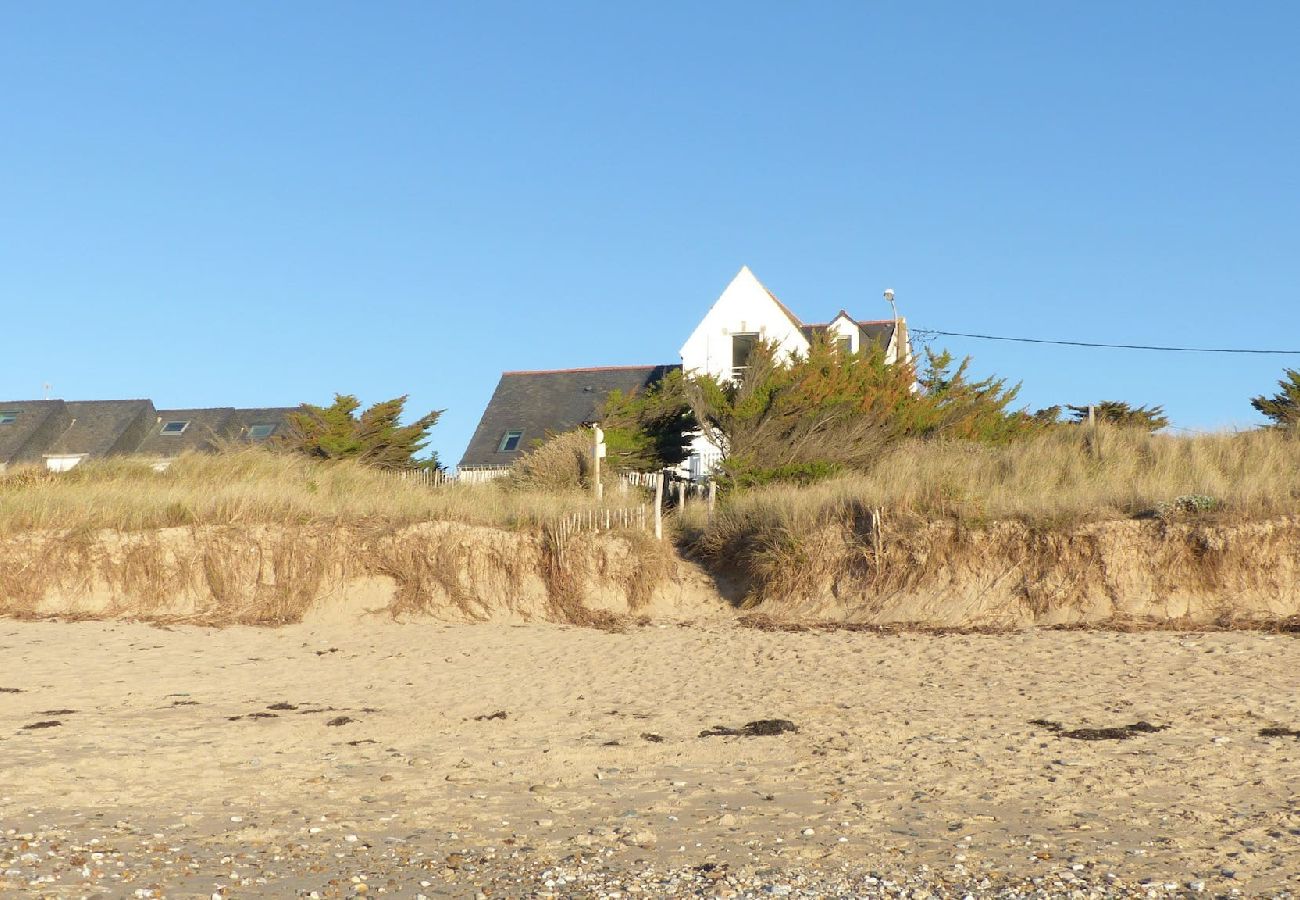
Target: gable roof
{"type": "Point", "coordinates": [103, 427]}
{"type": "Point", "coordinates": [35, 425]}
{"type": "Point", "coordinates": [539, 403]}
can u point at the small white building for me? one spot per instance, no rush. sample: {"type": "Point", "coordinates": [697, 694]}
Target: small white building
{"type": "Point", "coordinates": [746, 313]}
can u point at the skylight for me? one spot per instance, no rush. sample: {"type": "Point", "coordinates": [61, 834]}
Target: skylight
{"type": "Point", "coordinates": [177, 427]}
{"type": "Point", "coordinates": [510, 441]}
{"type": "Point", "coordinates": [260, 432]}
{"type": "Point", "coordinates": [8, 417]}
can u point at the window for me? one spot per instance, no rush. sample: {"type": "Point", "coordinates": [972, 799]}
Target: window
{"type": "Point", "coordinates": [509, 441]}
{"type": "Point", "coordinates": [845, 345]}
{"type": "Point", "coordinates": [742, 346]}
{"type": "Point", "coordinates": [8, 417]}
{"type": "Point", "coordinates": [260, 432]}
{"type": "Point", "coordinates": [175, 427]}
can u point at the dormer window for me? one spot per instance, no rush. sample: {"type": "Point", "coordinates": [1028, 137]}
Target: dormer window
{"type": "Point", "coordinates": [845, 345]}
{"type": "Point", "coordinates": [8, 417]}
{"type": "Point", "coordinates": [175, 427]}
{"type": "Point", "coordinates": [510, 441]}
{"type": "Point", "coordinates": [260, 432]}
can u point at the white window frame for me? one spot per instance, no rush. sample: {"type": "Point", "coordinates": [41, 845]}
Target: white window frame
{"type": "Point", "coordinates": [184, 423]}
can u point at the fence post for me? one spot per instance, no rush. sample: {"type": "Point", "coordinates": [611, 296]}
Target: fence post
{"type": "Point", "coordinates": [713, 497]}
{"type": "Point", "coordinates": [659, 506]}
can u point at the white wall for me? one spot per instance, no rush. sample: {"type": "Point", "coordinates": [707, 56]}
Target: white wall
{"type": "Point", "coordinates": [745, 306]}
{"type": "Point", "coordinates": [63, 463]}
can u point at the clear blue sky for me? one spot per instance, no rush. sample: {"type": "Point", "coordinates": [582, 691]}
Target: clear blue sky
{"type": "Point", "coordinates": [255, 204]}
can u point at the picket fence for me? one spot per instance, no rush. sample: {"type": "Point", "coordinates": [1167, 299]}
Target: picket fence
{"type": "Point", "coordinates": [676, 491]}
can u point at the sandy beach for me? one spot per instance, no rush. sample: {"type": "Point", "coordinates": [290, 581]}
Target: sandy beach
{"type": "Point", "coordinates": [498, 760]}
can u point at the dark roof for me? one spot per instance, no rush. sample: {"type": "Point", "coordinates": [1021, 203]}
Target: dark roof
{"type": "Point", "coordinates": [103, 427]}
{"type": "Point", "coordinates": [244, 419]}
{"type": "Point", "coordinates": [113, 427]}
{"type": "Point", "coordinates": [549, 402]}
{"type": "Point", "coordinates": [37, 424]}
{"type": "Point", "coordinates": [206, 428]}
{"type": "Point", "coordinates": [868, 332]}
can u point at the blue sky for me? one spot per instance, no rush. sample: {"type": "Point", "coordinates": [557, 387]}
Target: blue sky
{"type": "Point", "coordinates": [262, 204]}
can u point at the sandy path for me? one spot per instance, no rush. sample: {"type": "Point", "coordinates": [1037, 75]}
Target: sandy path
{"type": "Point", "coordinates": [912, 750]}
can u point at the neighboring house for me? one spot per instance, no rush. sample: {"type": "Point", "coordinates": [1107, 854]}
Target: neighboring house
{"type": "Point", "coordinates": [29, 427]}
{"type": "Point", "coordinates": [207, 430]}
{"type": "Point", "coordinates": [527, 406]}
{"type": "Point", "coordinates": [99, 428]}
{"type": "Point", "coordinates": [63, 433]}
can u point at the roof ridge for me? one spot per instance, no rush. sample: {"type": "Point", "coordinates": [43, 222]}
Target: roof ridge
{"type": "Point", "coordinates": [590, 369]}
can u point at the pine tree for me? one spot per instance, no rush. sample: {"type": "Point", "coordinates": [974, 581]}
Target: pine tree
{"type": "Point", "coordinates": [376, 437]}
{"type": "Point", "coordinates": [1283, 408]}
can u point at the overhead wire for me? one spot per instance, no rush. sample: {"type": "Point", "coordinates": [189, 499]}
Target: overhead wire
{"type": "Point", "coordinates": [924, 332]}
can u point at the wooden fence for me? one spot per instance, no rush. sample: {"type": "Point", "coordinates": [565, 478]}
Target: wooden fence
{"type": "Point", "coordinates": [606, 518]}
{"type": "Point", "coordinates": [669, 490]}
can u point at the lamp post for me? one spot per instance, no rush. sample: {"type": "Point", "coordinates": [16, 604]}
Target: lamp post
{"type": "Point", "coordinates": [896, 337]}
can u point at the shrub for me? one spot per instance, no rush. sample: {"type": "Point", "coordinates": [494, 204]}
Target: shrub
{"type": "Point", "coordinates": [561, 462]}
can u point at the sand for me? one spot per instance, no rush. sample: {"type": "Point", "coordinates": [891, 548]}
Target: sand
{"type": "Point", "coordinates": [448, 760]}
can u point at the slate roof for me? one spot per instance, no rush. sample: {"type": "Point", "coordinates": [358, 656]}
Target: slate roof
{"type": "Point", "coordinates": [244, 419]}
{"type": "Point", "coordinates": [206, 428]}
{"type": "Point", "coordinates": [103, 427]}
{"type": "Point", "coordinates": [95, 428]}
{"type": "Point", "coordinates": [548, 402]}
{"type": "Point", "coordinates": [36, 425]}
{"type": "Point", "coordinates": [868, 332]}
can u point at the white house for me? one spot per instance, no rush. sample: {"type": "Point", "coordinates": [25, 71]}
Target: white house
{"type": "Point", "coordinates": [747, 312]}
{"type": "Point", "coordinates": [529, 406]}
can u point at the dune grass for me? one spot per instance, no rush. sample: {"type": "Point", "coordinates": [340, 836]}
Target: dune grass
{"type": "Point", "coordinates": [1060, 478]}
{"type": "Point", "coordinates": [256, 487]}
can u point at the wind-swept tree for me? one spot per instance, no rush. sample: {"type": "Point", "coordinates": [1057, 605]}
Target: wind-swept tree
{"type": "Point", "coordinates": [375, 437]}
{"type": "Point", "coordinates": [828, 410]}
{"type": "Point", "coordinates": [1283, 408]}
{"type": "Point", "coordinates": [1115, 412]}
{"type": "Point", "coordinates": [649, 429]}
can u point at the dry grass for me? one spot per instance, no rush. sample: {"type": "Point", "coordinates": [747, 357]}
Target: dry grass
{"type": "Point", "coordinates": [259, 538]}
{"type": "Point", "coordinates": [1063, 478]}
{"type": "Point", "coordinates": [255, 487]}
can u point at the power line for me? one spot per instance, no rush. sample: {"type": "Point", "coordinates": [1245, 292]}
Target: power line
{"type": "Point", "coordinates": [1025, 340]}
